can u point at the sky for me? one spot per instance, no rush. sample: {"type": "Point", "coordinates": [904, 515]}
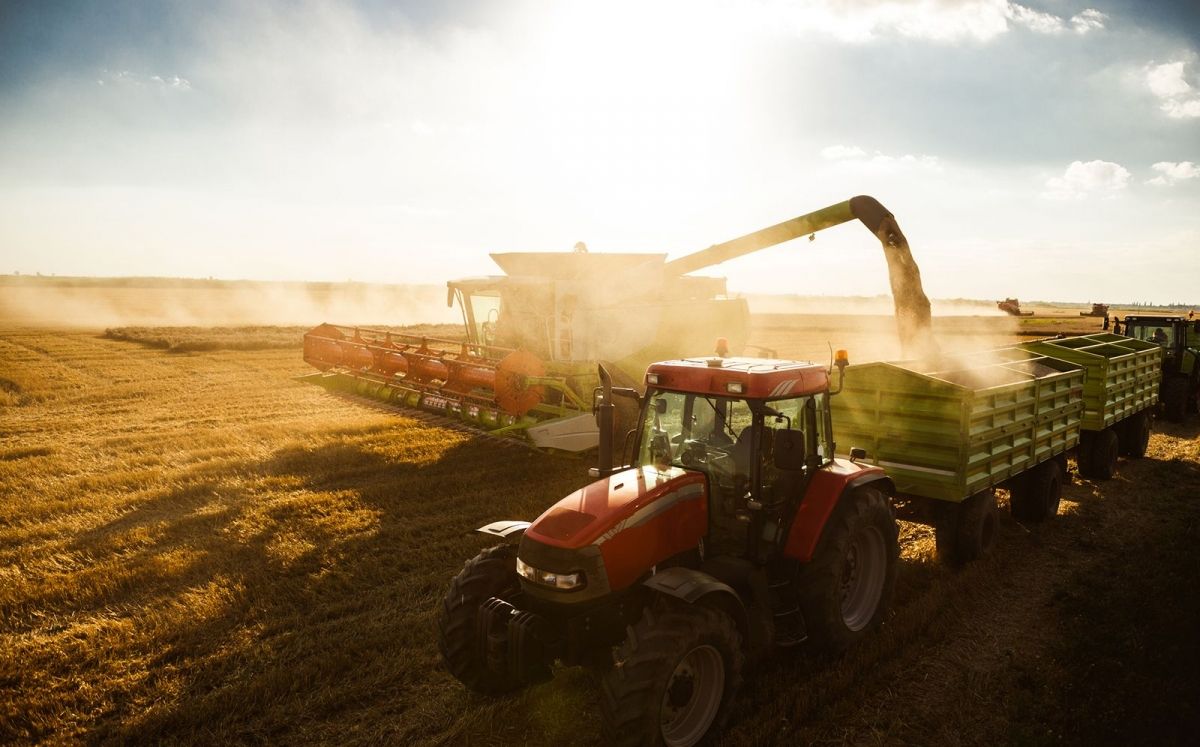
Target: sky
{"type": "Point", "coordinates": [1045, 150]}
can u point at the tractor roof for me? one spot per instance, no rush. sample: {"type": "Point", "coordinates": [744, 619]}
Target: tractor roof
{"type": "Point", "coordinates": [759, 378]}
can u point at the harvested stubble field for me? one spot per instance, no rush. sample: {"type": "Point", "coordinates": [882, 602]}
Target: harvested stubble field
{"type": "Point", "coordinates": [196, 548]}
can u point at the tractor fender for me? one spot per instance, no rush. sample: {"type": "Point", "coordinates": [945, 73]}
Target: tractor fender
{"type": "Point", "coordinates": [505, 529]}
{"type": "Point", "coordinates": [697, 587]}
{"type": "Point", "coordinates": [825, 490]}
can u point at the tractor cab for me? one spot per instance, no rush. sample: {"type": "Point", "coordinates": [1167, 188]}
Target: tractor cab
{"type": "Point", "coordinates": [756, 428]}
{"type": "Point", "coordinates": [1174, 334]}
{"type": "Point", "coordinates": [1179, 338]}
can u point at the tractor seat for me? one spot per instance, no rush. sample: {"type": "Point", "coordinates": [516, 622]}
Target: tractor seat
{"type": "Point", "coordinates": [742, 449]}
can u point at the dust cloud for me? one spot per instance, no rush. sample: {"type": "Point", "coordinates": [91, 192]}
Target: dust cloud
{"type": "Point", "coordinates": [96, 303]}
{"type": "Point", "coordinates": [872, 337]}
{"type": "Point", "coordinates": [880, 305]}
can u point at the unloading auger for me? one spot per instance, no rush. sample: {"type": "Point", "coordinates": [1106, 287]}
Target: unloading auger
{"type": "Point", "coordinates": [534, 336]}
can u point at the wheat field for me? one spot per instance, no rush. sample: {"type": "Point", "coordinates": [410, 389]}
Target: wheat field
{"type": "Point", "coordinates": [197, 548]}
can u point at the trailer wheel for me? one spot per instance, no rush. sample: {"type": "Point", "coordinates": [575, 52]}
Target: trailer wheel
{"type": "Point", "coordinates": [846, 589]}
{"type": "Point", "coordinates": [1036, 497]}
{"type": "Point", "coordinates": [1175, 398]}
{"type": "Point", "coordinates": [967, 531]}
{"type": "Point", "coordinates": [673, 677]}
{"type": "Point", "coordinates": [491, 573]}
{"type": "Point", "coordinates": [1134, 435]}
{"type": "Point", "coordinates": [1098, 457]}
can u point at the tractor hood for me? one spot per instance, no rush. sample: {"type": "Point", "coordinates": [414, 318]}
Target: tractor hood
{"type": "Point", "coordinates": [623, 500]}
{"type": "Point", "coordinates": [635, 518]}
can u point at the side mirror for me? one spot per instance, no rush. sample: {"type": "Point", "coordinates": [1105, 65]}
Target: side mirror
{"type": "Point", "coordinates": [660, 406]}
{"type": "Point", "coordinates": [789, 450]}
{"type": "Point", "coordinates": [857, 452]}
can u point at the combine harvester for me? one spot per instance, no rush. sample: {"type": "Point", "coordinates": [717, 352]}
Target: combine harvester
{"type": "Point", "coordinates": [534, 336]}
{"type": "Point", "coordinates": [1012, 307]}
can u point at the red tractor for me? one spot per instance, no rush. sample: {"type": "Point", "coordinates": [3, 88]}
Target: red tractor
{"type": "Point", "coordinates": [729, 530]}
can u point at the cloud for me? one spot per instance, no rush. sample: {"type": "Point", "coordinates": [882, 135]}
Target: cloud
{"type": "Point", "coordinates": [1083, 179]}
{"type": "Point", "coordinates": [931, 20]}
{"type": "Point", "coordinates": [839, 152]}
{"type": "Point", "coordinates": [138, 80]}
{"type": "Point", "coordinates": [1176, 96]}
{"type": "Point", "coordinates": [1171, 172]}
{"type": "Point", "coordinates": [853, 154]}
{"type": "Point", "coordinates": [1088, 20]}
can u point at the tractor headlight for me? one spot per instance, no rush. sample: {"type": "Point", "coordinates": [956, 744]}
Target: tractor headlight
{"type": "Point", "coordinates": [562, 581]}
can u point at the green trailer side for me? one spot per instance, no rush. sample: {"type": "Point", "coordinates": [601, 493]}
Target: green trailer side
{"type": "Point", "coordinates": [1122, 374]}
{"type": "Point", "coordinates": [949, 429]}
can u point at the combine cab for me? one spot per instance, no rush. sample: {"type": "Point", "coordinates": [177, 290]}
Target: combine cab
{"type": "Point", "coordinates": [533, 337]}
{"type": "Point", "coordinates": [1012, 307]}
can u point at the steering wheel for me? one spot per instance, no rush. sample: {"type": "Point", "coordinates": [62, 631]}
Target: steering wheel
{"type": "Point", "coordinates": [695, 454]}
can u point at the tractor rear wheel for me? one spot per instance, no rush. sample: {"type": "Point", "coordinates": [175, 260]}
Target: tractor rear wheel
{"type": "Point", "coordinates": [1175, 398]}
{"type": "Point", "coordinates": [673, 677]}
{"type": "Point", "coordinates": [1035, 497]}
{"type": "Point", "coordinates": [967, 531]}
{"type": "Point", "coordinates": [846, 589]}
{"type": "Point", "coordinates": [1133, 435]}
{"type": "Point", "coordinates": [1098, 456]}
{"type": "Point", "coordinates": [491, 573]}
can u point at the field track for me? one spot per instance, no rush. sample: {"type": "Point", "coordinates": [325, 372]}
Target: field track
{"type": "Point", "coordinates": [196, 548]}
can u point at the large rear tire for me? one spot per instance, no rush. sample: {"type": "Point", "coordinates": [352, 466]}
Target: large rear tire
{"type": "Point", "coordinates": [1036, 497]}
{"type": "Point", "coordinates": [1133, 435]}
{"type": "Point", "coordinates": [491, 573]}
{"type": "Point", "coordinates": [673, 677]}
{"type": "Point", "coordinates": [967, 531]}
{"type": "Point", "coordinates": [846, 589]}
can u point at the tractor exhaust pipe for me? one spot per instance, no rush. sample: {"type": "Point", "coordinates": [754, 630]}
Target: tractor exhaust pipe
{"type": "Point", "coordinates": [604, 409]}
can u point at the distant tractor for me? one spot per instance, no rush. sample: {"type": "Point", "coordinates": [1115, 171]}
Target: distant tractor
{"type": "Point", "coordinates": [1012, 307]}
{"type": "Point", "coordinates": [1098, 309]}
{"type": "Point", "coordinates": [1180, 340]}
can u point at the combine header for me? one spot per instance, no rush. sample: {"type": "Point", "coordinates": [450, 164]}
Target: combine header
{"type": "Point", "coordinates": [527, 363]}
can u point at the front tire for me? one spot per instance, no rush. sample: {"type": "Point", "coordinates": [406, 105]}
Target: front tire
{"type": "Point", "coordinates": [673, 677]}
{"type": "Point", "coordinates": [491, 573]}
{"type": "Point", "coordinates": [846, 589]}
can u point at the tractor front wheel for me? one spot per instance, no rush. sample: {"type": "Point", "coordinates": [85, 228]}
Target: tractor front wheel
{"type": "Point", "coordinates": [673, 677]}
{"type": "Point", "coordinates": [846, 589]}
{"type": "Point", "coordinates": [491, 573]}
